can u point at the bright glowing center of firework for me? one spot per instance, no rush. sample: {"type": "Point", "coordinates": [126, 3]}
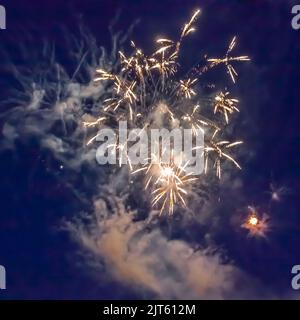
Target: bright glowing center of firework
{"type": "Point", "coordinates": [167, 172]}
{"type": "Point", "coordinates": [253, 221]}
{"type": "Point", "coordinates": [275, 196]}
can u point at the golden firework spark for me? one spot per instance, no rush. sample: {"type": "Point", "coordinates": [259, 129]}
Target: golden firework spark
{"type": "Point", "coordinates": [94, 123]}
{"type": "Point", "coordinates": [186, 88]}
{"type": "Point", "coordinates": [218, 151]}
{"type": "Point", "coordinates": [194, 121]}
{"type": "Point", "coordinates": [225, 105]}
{"type": "Point", "coordinates": [227, 60]}
{"type": "Point", "coordinates": [170, 186]}
{"type": "Point", "coordinates": [169, 183]}
{"type": "Point", "coordinates": [141, 83]}
{"type": "Point", "coordinates": [257, 226]}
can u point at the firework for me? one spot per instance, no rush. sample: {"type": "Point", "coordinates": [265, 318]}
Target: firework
{"type": "Point", "coordinates": [169, 182]}
{"type": "Point", "coordinates": [256, 225]}
{"type": "Point", "coordinates": [170, 187]}
{"type": "Point", "coordinates": [146, 87]}
{"type": "Point", "coordinates": [277, 192]}
{"type": "Point", "coordinates": [218, 150]}
{"type": "Point", "coordinates": [225, 105]}
{"type": "Point", "coordinates": [228, 60]}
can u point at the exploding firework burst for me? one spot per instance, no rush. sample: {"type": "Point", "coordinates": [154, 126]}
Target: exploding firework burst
{"type": "Point", "coordinates": [228, 60]}
{"type": "Point", "coordinates": [257, 225]}
{"type": "Point", "coordinates": [225, 105]}
{"type": "Point", "coordinates": [145, 87]}
{"type": "Point", "coordinates": [168, 181]}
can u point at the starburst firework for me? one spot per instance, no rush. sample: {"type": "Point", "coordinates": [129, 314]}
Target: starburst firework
{"type": "Point", "coordinates": [138, 89]}
{"type": "Point", "coordinates": [257, 225]}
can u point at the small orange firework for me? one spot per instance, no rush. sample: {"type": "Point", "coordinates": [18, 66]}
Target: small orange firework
{"type": "Point", "coordinates": [256, 225]}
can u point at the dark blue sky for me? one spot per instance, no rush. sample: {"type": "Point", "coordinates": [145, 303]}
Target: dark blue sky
{"type": "Point", "coordinates": [39, 258]}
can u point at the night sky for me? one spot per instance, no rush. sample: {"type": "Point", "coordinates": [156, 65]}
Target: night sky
{"type": "Point", "coordinates": [37, 194]}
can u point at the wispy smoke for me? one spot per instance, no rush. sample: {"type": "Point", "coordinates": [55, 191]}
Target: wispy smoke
{"type": "Point", "coordinates": [141, 256]}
